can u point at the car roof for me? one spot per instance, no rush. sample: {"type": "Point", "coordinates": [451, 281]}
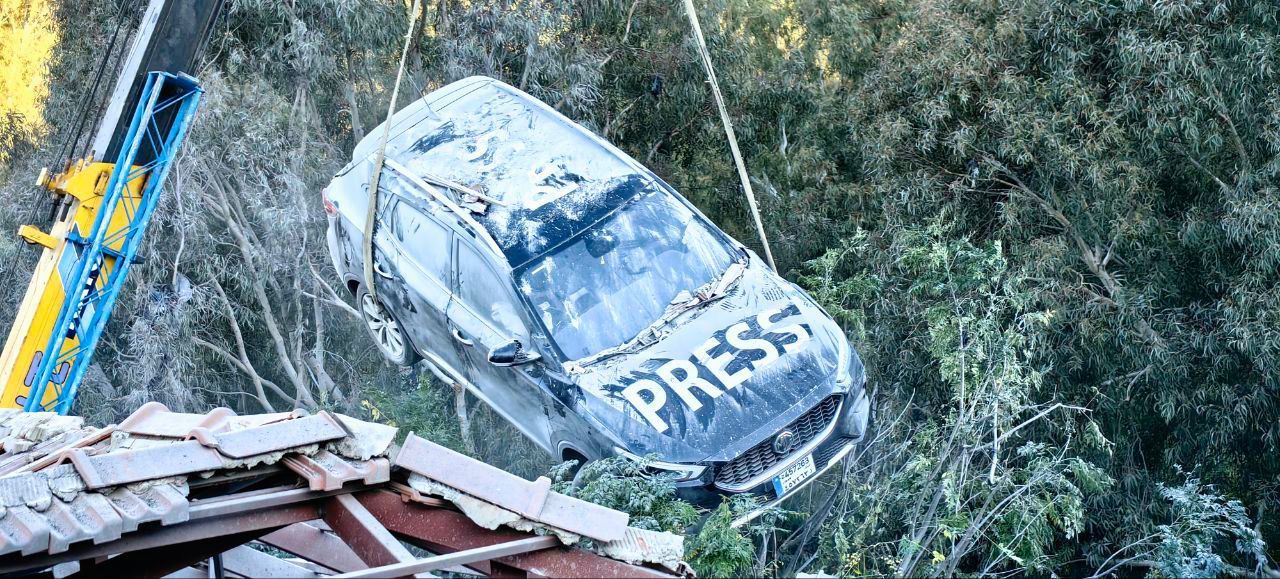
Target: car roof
{"type": "Point", "coordinates": [545, 177]}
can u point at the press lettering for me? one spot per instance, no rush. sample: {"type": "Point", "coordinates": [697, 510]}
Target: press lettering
{"type": "Point", "coordinates": [717, 364]}
{"type": "Point", "coordinates": [752, 346]}
{"type": "Point", "coordinates": [735, 339]}
{"type": "Point", "coordinates": [681, 386]}
{"type": "Point", "coordinates": [648, 408]}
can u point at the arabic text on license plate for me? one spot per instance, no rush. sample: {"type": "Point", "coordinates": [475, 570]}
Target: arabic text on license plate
{"type": "Point", "coordinates": [794, 475]}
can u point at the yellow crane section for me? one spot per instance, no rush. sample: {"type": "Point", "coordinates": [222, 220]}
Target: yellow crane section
{"type": "Point", "coordinates": [80, 190]}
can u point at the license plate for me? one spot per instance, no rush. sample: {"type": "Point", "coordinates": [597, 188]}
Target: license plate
{"type": "Point", "coordinates": [794, 475]}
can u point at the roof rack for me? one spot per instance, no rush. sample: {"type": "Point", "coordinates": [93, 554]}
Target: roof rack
{"type": "Point", "coordinates": [435, 193]}
{"type": "Point", "coordinates": [167, 493]}
{"type": "Point", "coordinates": [443, 182]}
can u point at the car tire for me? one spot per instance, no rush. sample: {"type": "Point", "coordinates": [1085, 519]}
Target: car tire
{"type": "Point", "coordinates": [387, 332]}
{"type": "Point", "coordinates": [579, 479]}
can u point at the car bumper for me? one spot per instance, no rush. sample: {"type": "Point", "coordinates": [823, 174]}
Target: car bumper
{"type": "Point", "coordinates": [827, 454]}
{"type": "Point", "coordinates": [833, 446]}
{"type": "Point", "coordinates": [334, 246]}
{"type": "Point", "coordinates": [704, 494]}
{"type": "Point", "coordinates": [840, 451]}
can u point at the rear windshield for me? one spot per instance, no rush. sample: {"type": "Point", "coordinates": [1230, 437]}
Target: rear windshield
{"type": "Point", "coordinates": [605, 285]}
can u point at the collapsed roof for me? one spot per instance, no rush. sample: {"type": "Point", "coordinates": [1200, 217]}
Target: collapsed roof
{"type": "Point", "coordinates": [167, 493]}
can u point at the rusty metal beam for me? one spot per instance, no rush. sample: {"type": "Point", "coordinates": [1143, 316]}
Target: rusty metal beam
{"type": "Point", "coordinates": [265, 498]}
{"type": "Point", "coordinates": [372, 542]}
{"type": "Point", "coordinates": [532, 500]}
{"type": "Point", "coordinates": [203, 526]}
{"type": "Point", "coordinates": [315, 545]}
{"type": "Point", "coordinates": [446, 531]}
{"type": "Point", "coordinates": [247, 561]}
{"type": "Point", "coordinates": [115, 528]}
{"type": "Point", "coordinates": [438, 562]}
{"type": "Point", "coordinates": [157, 562]}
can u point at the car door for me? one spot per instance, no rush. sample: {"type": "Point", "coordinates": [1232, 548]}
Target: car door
{"type": "Point", "coordinates": [421, 259]}
{"type": "Point", "coordinates": [484, 314]}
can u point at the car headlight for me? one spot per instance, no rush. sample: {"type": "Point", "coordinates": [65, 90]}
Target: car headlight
{"type": "Point", "coordinates": [844, 361]}
{"type": "Point", "coordinates": [682, 472]}
{"type": "Point", "coordinates": [856, 415]}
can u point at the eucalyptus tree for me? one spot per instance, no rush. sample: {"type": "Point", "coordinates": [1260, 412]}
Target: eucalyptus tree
{"type": "Point", "coordinates": [237, 304]}
{"type": "Point", "coordinates": [1122, 155]}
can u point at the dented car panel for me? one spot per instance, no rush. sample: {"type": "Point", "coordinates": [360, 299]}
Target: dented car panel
{"type": "Point", "coordinates": [707, 387]}
{"type": "Point", "coordinates": [638, 326]}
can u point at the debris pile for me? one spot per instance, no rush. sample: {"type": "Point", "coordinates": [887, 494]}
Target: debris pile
{"type": "Point", "coordinates": [168, 493]}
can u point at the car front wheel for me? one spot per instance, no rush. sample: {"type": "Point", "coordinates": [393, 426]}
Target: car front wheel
{"type": "Point", "coordinates": [386, 331]}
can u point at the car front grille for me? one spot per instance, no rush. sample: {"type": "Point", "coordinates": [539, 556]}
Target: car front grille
{"type": "Point", "coordinates": [830, 450]}
{"type": "Point", "coordinates": [761, 457]}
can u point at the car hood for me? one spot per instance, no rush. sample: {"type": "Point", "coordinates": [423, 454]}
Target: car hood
{"type": "Point", "coordinates": [723, 376]}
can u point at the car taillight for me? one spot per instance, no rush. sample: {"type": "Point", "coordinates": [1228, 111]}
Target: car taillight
{"type": "Point", "coordinates": [329, 207]}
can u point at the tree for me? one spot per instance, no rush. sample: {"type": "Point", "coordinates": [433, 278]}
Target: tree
{"type": "Point", "coordinates": [1049, 228]}
{"type": "Point", "coordinates": [28, 34]}
{"type": "Point", "coordinates": [1118, 153]}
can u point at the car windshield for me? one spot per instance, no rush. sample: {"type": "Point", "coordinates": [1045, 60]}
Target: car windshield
{"type": "Point", "coordinates": [607, 284]}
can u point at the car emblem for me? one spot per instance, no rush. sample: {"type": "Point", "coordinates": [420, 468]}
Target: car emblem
{"type": "Point", "coordinates": [784, 442]}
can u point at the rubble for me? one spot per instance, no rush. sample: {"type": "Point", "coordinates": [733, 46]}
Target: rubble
{"type": "Point", "coordinates": [164, 491]}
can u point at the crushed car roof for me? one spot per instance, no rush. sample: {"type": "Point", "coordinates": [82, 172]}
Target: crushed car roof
{"type": "Point", "coordinates": [548, 178]}
{"type": "Point", "coordinates": [72, 494]}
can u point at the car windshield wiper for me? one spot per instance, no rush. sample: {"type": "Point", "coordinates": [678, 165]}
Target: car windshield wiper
{"type": "Point", "coordinates": [709, 292]}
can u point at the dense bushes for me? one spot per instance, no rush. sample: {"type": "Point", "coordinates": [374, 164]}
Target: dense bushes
{"type": "Point", "coordinates": [1049, 227]}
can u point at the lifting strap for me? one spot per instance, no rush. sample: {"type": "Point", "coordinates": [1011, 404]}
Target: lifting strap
{"type": "Point", "coordinates": [371, 214]}
{"type": "Point", "coordinates": [728, 129]}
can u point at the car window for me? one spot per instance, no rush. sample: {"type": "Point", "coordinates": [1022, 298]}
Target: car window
{"type": "Point", "coordinates": [488, 294]}
{"type": "Point", "coordinates": [603, 287]}
{"type": "Point", "coordinates": [424, 240]}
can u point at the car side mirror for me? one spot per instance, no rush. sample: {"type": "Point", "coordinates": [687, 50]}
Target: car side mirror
{"type": "Point", "coordinates": [511, 353]}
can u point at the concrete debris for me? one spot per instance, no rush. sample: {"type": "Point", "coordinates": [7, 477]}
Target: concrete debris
{"type": "Point", "coordinates": [70, 490]}
{"type": "Point", "coordinates": [645, 546]}
{"type": "Point", "coordinates": [23, 430]}
{"type": "Point", "coordinates": [367, 439]}
{"type": "Point", "coordinates": [487, 515]}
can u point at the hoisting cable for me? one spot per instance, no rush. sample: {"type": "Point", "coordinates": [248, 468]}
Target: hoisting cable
{"type": "Point", "coordinates": [728, 129]}
{"type": "Point", "coordinates": [371, 214]}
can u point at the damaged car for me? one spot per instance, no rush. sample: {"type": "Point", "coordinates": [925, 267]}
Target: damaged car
{"type": "Point", "coordinates": [587, 302]}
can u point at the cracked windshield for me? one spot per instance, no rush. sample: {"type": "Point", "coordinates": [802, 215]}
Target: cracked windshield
{"type": "Point", "coordinates": [609, 283]}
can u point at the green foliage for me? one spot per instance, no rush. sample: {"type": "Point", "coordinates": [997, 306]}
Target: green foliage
{"type": "Point", "coordinates": [419, 406]}
{"type": "Point", "coordinates": [719, 550]}
{"type": "Point", "coordinates": [714, 549]}
{"type": "Point", "coordinates": [1205, 525]}
{"type": "Point", "coordinates": [1049, 228]}
{"type": "Point", "coordinates": [623, 484]}
{"type": "Point", "coordinates": [418, 403]}
{"type": "Point", "coordinates": [967, 481]}
{"type": "Point", "coordinates": [28, 34]}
